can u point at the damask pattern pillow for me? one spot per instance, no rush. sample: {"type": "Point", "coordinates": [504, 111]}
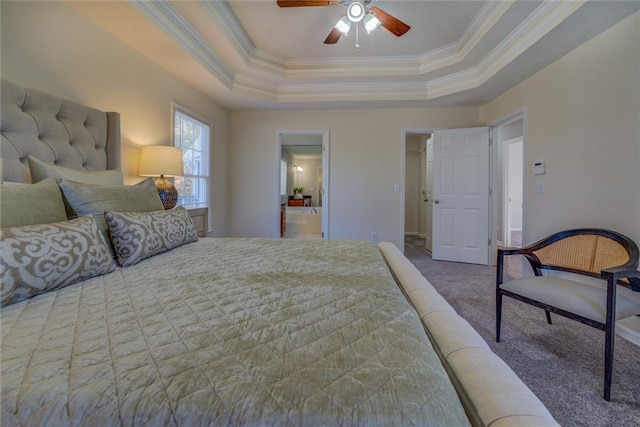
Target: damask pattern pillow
{"type": "Point", "coordinates": [44, 257]}
{"type": "Point", "coordinates": [139, 235]}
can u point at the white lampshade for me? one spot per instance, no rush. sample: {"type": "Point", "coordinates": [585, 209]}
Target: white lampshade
{"type": "Point", "coordinates": [157, 160]}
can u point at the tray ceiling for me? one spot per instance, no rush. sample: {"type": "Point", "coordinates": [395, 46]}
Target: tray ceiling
{"type": "Point", "coordinates": [255, 55]}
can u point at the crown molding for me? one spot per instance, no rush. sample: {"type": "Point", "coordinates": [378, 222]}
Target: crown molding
{"type": "Point", "coordinates": [433, 60]}
{"type": "Point", "coordinates": [546, 17]}
{"type": "Point", "coordinates": [173, 24]}
{"type": "Point", "coordinates": [451, 54]}
{"type": "Point", "coordinates": [224, 16]}
{"type": "Point", "coordinates": [352, 92]}
{"type": "Point", "coordinates": [456, 52]}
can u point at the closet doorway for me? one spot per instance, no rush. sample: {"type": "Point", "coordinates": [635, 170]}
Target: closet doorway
{"type": "Point", "coordinates": [418, 186]}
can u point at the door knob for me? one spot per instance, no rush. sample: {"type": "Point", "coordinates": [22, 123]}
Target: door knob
{"type": "Point", "coordinates": [436, 201]}
{"type": "Point", "coordinates": [425, 200]}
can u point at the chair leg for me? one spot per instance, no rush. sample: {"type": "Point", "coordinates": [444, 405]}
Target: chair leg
{"type": "Point", "coordinates": [548, 313]}
{"type": "Point", "coordinates": [608, 360]}
{"type": "Point", "coordinates": [498, 314]}
{"type": "Point", "coordinates": [609, 336]}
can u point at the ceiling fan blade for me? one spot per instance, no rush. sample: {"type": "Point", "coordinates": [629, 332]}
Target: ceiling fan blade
{"type": "Point", "coordinates": [303, 3]}
{"type": "Point", "coordinates": [333, 37]}
{"type": "Point", "coordinates": [390, 22]}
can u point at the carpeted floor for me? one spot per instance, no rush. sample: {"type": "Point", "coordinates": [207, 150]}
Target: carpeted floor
{"type": "Point", "coordinates": [562, 363]}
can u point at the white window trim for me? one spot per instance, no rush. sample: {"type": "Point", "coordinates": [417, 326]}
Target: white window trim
{"type": "Point", "coordinates": [175, 106]}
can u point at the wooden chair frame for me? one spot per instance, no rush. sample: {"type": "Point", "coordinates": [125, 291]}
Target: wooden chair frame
{"type": "Point", "coordinates": [612, 275]}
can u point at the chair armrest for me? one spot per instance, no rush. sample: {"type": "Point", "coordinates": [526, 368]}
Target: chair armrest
{"type": "Point", "coordinates": [613, 274]}
{"type": "Point", "coordinates": [619, 273]}
{"type": "Point", "coordinates": [513, 251]}
{"type": "Point", "coordinates": [500, 260]}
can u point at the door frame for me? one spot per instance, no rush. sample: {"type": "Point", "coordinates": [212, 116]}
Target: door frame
{"type": "Point", "coordinates": [325, 175]}
{"type": "Point", "coordinates": [496, 147]}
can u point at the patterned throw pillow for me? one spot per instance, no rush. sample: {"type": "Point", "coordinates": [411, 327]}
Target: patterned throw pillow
{"type": "Point", "coordinates": [44, 257]}
{"type": "Point", "coordinates": [140, 235]}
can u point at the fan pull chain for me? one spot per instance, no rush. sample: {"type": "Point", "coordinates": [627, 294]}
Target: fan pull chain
{"type": "Point", "coordinates": [357, 40]}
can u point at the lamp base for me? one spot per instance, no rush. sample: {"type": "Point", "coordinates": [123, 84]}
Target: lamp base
{"type": "Point", "coordinates": [167, 192]}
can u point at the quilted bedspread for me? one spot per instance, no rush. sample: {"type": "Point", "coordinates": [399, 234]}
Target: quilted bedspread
{"type": "Point", "coordinates": [227, 332]}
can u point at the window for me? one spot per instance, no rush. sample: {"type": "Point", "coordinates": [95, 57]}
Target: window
{"type": "Point", "coordinates": [192, 136]}
{"type": "Point", "coordinates": [283, 177]}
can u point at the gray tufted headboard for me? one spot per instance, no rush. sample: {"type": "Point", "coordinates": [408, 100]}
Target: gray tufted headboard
{"type": "Point", "coordinates": [55, 131]}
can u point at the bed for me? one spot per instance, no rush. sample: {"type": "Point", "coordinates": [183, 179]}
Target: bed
{"type": "Point", "coordinates": [118, 314]}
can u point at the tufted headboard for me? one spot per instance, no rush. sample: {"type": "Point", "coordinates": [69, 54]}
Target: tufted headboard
{"type": "Point", "coordinates": [55, 131]}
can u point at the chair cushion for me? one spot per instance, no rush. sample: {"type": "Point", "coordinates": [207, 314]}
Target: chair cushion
{"type": "Point", "coordinates": [585, 300]}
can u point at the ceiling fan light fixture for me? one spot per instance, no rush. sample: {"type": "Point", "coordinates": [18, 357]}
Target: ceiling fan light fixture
{"type": "Point", "coordinates": [343, 25]}
{"type": "Point", "coordinates": [355, 11]}
{"type": "Point", "coordinates": [371, 22]}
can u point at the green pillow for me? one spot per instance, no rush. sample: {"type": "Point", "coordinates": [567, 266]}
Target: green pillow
{"type": "Point", "coordinates": [27, 204]}
{"type": "Point", "coordinates": [92, 199]}
{"type": "Point", "coordinates": [41, 170]}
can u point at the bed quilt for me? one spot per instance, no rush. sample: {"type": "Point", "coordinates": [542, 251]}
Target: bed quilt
{"type": "Point", "coordinates": [227, 332]}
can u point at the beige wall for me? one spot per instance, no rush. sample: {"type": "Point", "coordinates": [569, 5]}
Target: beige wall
{"type": "Point", "coordinates": [583, 115]}
{"type": "Point", "coordinates": [583, 118]}
{"type": "Point", "coordinates": [51, 47]}
{"type": "Point", "coordinates": [364, 165]}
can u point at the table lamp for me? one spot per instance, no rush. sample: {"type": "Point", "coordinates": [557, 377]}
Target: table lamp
{"type": "Point", "coordinates": [162, 160]}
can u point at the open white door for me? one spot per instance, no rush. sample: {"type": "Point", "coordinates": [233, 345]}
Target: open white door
{"type": "Point", "coordinates": [461, 195]}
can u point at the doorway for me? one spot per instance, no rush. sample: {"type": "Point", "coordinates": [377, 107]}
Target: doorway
{"type": "Point", "coordinates": [303, 184]}
{"type": "Point", "coordinates": [459, 227]}
{"type": "Point", "coordinates": [510, 182]}
{"type": "Point", "coordinates": [415, 185]}
{"type": "Point", "coordinates": [512, 194]}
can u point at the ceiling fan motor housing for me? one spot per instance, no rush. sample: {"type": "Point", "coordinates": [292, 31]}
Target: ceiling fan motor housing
{"type": "Point", "coordinates": [355, 11]}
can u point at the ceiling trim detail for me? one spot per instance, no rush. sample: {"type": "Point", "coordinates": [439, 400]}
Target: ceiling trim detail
{"type": "Point", "coordinates": [173, 24]}
{"type": "Point", "coordinates": [546, 17]}
{"type": "Point", "coordinates": [486, 18]}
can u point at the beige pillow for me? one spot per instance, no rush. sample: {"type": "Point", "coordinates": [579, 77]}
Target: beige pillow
{"type": "Point", "coordinates": [41, 170]}
{"type": "Point", "coordinates": [26, 204]}
{"type": "Point", "coordinates": [139, 235]}
{"type": "Point", "coordinates": [44, 257]}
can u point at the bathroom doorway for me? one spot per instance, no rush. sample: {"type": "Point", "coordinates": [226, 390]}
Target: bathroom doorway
{"type": "Point", "coordinates": [303, 184]}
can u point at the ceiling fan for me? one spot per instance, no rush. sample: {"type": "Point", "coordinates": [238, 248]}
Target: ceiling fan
{"type": "Point", "coordinates": [357, 10]}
